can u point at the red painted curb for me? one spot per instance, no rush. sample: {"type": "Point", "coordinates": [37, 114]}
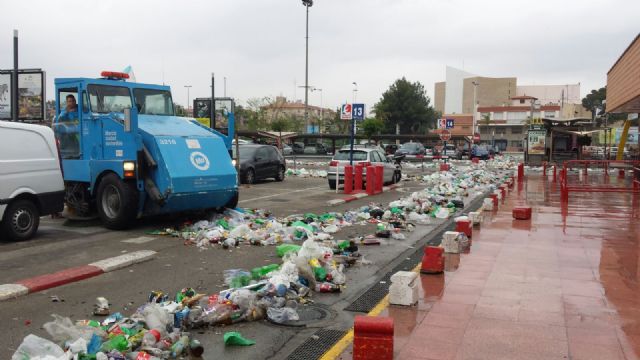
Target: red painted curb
{"type": "Point", "coordinates": [66, 276]}
{"type": "Point", "coordinates": [350, 198]}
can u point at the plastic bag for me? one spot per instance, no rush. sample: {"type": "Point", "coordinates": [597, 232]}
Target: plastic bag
{"type": "Point", "coordinates": [156, 317]}
{"type": "Point", "coordinates": [244, 298]}
{"type": "Point", "coordinates": [442, 213]}
{"type": "Point", "coordinates": [398, 236]}
{"type": "Point", "coordinates": [235, 338]}
{"type": "Point", "coordinates": [240, 231]}
{"type": "Point", "coordinates": [282, 315]}
{"type": "Point", "coordinates": [236, 278]}
{"type": "Point", "coordinates": [310, 250]}
{"type": "Point", "coordinates": [37, 348]}
{"type": "Point", "coordinates": [61, 329]}
{"type": "Point", "coordinates": [331, 229]}
{"type": "Point", "coordinates": [282, 250]}
{"type": "Point", "coordinates": [422, 219]}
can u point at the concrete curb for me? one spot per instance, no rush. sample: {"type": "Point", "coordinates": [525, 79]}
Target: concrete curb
{"type": "Point", "coordinates": [67, 276]}
{"type": "Point", "coordinates": [357, 196]}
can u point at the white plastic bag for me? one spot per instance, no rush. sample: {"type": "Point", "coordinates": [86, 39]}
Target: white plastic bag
{"type": "Point", "coordinates": [442, 213]}
{"type": "Point", "coordinates": [37, 348]}
{"type": "Point", "coordinates": [310, 250]}
{"type": "Point", "coordinates": [331, 229]}
{"type": "Point", "coordinates": [61, 329]}
{"type": "Point", "coordinates": [422, 219]}
{"type": "Point", "coordinates": [239, 231]}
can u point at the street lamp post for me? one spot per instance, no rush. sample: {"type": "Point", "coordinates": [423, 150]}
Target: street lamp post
{"type": "Point", "coordinates": [307, 4]}
{"type": "Point", "coordinates": [475, 107]}
{"type": "Point", "coordinates": [355, 91]}
{"type": "Point", "coordinates": [321, 107]}
{"type": "Point", "coordinates": [188, 106]}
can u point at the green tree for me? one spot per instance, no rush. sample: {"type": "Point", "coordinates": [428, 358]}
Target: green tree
{"type": "Point", "coordinates": [372, 126]}
{"type": "Point", "coordinates": [595, 99]}
{"type": "Point", "coordinates": [406, 103]}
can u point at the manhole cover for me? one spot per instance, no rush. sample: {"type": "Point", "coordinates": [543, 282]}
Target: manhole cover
{"type": "Point", "coordinates": [308, 314]}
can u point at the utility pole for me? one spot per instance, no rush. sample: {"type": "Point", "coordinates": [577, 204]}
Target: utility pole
{"type": "Point", "coordinates": [307, 4]}
{"type": "Point", "coordinates": [14, 85]}
{"type": "Point", "coordinates": [475, 107]}
{"type": "Point", "coordinates": [225, 87]}
{"type": "Point", "coordinates": [355, 91]}
{"type": "Point", "coordinates": [188, 106]}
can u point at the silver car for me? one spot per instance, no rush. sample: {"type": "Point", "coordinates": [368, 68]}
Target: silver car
{"type": "Point", "coordinates": [367, 156]}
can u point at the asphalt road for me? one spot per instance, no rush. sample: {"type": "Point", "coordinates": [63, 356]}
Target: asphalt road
{"type": "Point", "coordinates": [62, 244]}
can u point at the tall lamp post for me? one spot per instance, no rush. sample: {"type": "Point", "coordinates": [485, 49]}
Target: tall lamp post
{"type": "Point", "coordinates": [321, 108]}
{"type": "Point", "coordinates": [188, 106]}
{"type": "Point", "coordinates": [355, 91]}
{"type": "Point", "coordinates": [307, 4]}
{"type": "Point", "coordinates": [475, 107]}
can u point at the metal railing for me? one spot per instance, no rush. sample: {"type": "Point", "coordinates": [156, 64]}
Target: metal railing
{"type": "Point", "coordinates": [593, 176]}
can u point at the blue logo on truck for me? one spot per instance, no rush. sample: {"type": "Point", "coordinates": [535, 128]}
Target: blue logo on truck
{"type": "Point", "coordinates": [200, 160]}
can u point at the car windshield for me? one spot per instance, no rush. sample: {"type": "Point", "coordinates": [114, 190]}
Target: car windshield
{"type": "Point", "coordinates": [409, 146]}
{"type": "Point", "coordinates": [245, 152]}
{"type": "Point", "coordinates": [153, 102]}
{"type": "Point", "coordinates": [106, 99]}
{"type": "Point", "coordinates": [357, 155]}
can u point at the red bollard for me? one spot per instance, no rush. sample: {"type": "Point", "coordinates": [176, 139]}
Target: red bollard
{"type": "Point", "coordinates": [544, 169]}
{"type": "Point", "coordinates": [521, 212]}
{"type": "Point", "coordinates": [444, 167]}
{"type": "Point", "coordinates": [379, 178]}
{"type": "Point", "coordinates": [348, 179]}
{"type": "Point", "coordinates": [432, 260]}
{"type": "Point", "coordinates": [554, 173]}
{"type": "Point", "coordinates": [372, 338]}
{"type": "Point", "coordinates": [503, 190]}
{"type": "Point", "coordinates": [494, 197]}
{"type": "Point", "coordinates": [371, 180]}
{"type": "Point", "coordinates": [475, 160]}
{"type": "Point", "coordinates": [357, 183]}
{"type": "Point", "coordinates": [512, 182]}
{"type": "Point", "coordinates": [520, 172]}
{"type": "Point", "coordinates": [621, 173]}
{"type": "Point", "coordinates": [464, 226]}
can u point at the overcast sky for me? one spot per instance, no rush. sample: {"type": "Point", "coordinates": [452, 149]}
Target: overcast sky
{"type": "Point", "coordinates": [259, 44]}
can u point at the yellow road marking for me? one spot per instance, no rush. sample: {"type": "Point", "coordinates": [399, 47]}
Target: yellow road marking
{"type": "Point", "coordinates": [339, 347]}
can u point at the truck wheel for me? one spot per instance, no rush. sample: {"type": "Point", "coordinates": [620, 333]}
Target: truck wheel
{"type": "Point", "coordinates": [250, 177]}
{"type": "Point", "coordinates": [117, 202]}
{"type": "Point", "coordinates": [332, 184]}
{"type": "Point", "coordinates": [233, 203]}
{"type": "Point", "coordinates": [21, 220]}
{"type": "Point", "coordinates": [280, 174]}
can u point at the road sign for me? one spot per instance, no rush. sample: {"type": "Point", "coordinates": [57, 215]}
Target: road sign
{"type": "Point", "coordinates": [445, 135]}
{"type": "Point", "coordinates": [450, 123]}
{"type": "Point", "coordinates": [346, 112]}
{"type": "Point", "coordinates": [358, 111]}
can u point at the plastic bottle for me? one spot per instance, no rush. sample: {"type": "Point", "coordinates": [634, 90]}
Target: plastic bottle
{"type": "Point", "coordinates": [196, 348]}
{"type": "Point", "coordinates": [178, 348]}
{"type": "Point", "coordinates": [259, 272]}
{"type": "Point", "coordinates": [326, 287]}
{"type": "Point", "coordinates": [150, 338]}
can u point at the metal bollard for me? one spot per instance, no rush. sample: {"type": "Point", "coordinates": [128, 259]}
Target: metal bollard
{"type": "Point", "coordinates": [357, 182]}
{"type": "Point", "coordinates": [348, 179]}
{"type": "Point", "coordinates": [371, 182]}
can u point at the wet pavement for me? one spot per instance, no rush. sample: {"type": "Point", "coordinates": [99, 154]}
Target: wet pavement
{"type": "Point", "coordinates": [563, 285]}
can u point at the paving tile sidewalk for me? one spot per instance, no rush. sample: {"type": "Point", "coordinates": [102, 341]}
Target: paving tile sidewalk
{"type": "Point", "coordinates": [563, 285]}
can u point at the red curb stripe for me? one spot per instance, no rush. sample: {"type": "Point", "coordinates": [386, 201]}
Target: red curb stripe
{"type": "Point", "coordinates": [63, 277]}
{"type": "Point", "coordinates": [350, 198]}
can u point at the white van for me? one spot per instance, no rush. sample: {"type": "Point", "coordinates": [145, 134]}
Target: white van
{"type": "Point", "coordinates": [31, 182]}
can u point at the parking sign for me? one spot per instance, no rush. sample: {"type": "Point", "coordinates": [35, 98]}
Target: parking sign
{"type": "Point", "coordinates": [358, 111]}
{"type": "Point", "coordinates": [346, 112]}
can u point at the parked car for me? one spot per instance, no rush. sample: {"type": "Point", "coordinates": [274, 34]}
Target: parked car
{"type": "Point", "coordinates": [298, 148]}
{"type": "Point", "coordinates": [391, 149]}
{"type": "Point", "coordinates": [30, 178]}
{"type": "Point", "coordinates": [259, 162]}
{"type": "Point", "coordinates": [366, 156]}
{"type": "Point", "coordinates": [315, 149]}
{"type": "Point", "coordinates": [461, 152]}
{"type": "Point", "coordinates": [411, 148]}
{"type": "Point", "coordinates": [286, 150]}
{"type": "Point", "coordinates": [480, 151]}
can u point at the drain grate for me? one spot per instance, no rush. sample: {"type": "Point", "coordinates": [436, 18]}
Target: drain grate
{"type": "Point", "coordinates": [308, 314]}
{"type": "Point", "coordinates": [370, 298]}
{"type": "Point", "coordinates": [314, 348]}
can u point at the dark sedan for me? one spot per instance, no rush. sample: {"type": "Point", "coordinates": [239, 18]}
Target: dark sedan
{"type": "Point", "coordinates": [411, 149]}
{"type": "Point", "coordinates": [259, 162]}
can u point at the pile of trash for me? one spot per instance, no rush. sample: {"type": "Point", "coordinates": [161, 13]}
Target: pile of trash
{"type": "Point", "coordinates": [307, 163]}
{"type": "Point", "coordinates": [158, 329]}
{"type": "Point", "coordinates": [304, 173]}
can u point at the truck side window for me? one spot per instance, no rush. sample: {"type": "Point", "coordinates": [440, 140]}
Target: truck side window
{"type": "Point", "coordinates": [67, 125]}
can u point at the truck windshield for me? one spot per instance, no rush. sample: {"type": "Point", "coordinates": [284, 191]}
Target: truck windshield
{"type": "Point", "coordinates": [153, 102]}
{"type": "Point", "coordinates": [105, 99]}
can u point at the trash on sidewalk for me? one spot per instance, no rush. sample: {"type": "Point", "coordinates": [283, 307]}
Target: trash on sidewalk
{"type": "Point", "coordinates": [101, 307]}
{"type": "Point", "coordinates": [235, 338]}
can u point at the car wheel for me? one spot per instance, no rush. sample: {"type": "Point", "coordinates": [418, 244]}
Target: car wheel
{"type": "Point", "coordinates": [332, 184]}
{"type": "Point", "coordinates": [280, 174]}
{"type": "Point", "coordinates": [21, 220]}
{"type": "Point", "coordinates": [117, 202]}
{"type": "Point", "coordinates": [250, 177]}
{"type": "Point", "coordinates": [397, 177]}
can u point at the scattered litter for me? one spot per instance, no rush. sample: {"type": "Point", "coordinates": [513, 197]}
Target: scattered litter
{"type": "Point", "coordinates": [101, 307]}
{"type": "Point", "coordinates": [235, 338]}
